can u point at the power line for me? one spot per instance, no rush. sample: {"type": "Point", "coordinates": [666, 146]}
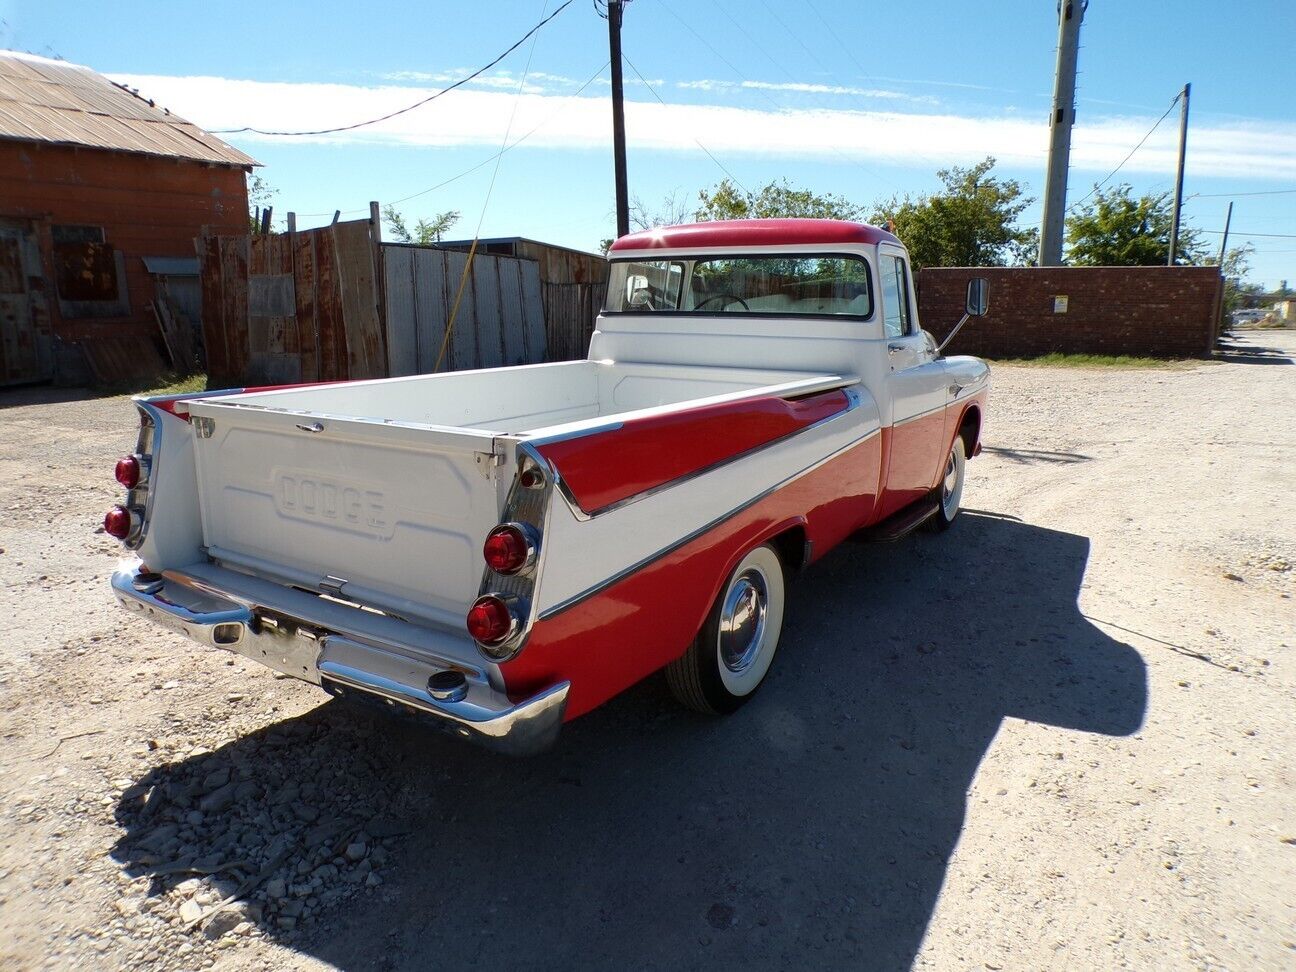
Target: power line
{"type": "Point", "coordinates": [654, 93]}
{"type": "Point", "coordinates": [836, 35]}
{"type": "Point", "coordinates": [748, 84]}
{"type": "Point", "coordinates": [472, 250]}
{"type": "Point", "coordinates": [1128, 157]}
{"type": "Point", "coordinates": [1230, 195]}
{"type": "Point", "coordinates": [417, 104]}
{"type": "Point", "coordinates": [1233, 232]}
{"type": "Point", "coordinates": [484, 162]}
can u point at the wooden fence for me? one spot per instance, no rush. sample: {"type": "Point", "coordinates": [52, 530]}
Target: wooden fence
{"type": "Point", "coordinates": [302, 306]}
{"type": "Point", "coordinates": [337, 304]}
{"type": "Point", "coordinates": [571, 309]}
{"type": "Point", "coordinates": [500, 319]}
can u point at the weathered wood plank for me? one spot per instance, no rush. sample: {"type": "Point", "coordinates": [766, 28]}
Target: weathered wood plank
{"type": "Point", "coordinates": [304, 282]}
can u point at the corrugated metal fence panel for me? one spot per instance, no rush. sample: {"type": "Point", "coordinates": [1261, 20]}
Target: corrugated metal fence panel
{"type": "Point", "coordinates": [402, 342]}
{"type": "Point", "coordinates": [533, 321]}
{"type": "Point", "coordinates": [486, 300]}
{"type": "Point", "coordinates": [500, 320]}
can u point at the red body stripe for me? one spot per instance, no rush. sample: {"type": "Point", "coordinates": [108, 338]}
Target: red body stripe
{"type": "Point", "coordinates": [611, 466]}
{"type": "Point", "coordinates": [616, 637]}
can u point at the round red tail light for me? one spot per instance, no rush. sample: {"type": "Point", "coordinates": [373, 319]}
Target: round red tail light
{"type": "Point", "coordinates": [118, 522]}
{"type": "Point", "coordinates": [508, 549]}
{"type": "Point", "coordinates": [489, 620]}
{"type": "Point", "coordinates": [128, 471]}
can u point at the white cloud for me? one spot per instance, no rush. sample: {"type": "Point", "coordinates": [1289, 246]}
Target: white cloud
{"type": "Point", "coordinates": [803, 87]}
{"type": "Point", "coordinates": [477, 117]}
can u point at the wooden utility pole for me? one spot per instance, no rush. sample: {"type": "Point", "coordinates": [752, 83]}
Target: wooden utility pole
{"type": "Point", "coordinates": [1228, 218]}
{"type": "Point", "coordinates": [614, 11]}
{"type": "Point", "coordinates": [1178, 193]}
{"type": "Point", "coordinates": [1070, 13]}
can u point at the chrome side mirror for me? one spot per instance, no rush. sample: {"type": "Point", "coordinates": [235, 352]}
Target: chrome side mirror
{"type": "Point", "coordinates": [637, 292]}
{"type": "Point", "coordinates": [978, 297]}
{"type": "Point", "coordinates": [978, 302]}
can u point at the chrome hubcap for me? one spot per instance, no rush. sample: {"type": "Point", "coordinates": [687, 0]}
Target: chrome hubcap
{"type": "Point", "coordinates": [742, 620]}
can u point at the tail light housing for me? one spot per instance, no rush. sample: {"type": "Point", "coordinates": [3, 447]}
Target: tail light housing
{"type": "Point", "coordinates": [510, 548]}
{"type": "Point", "coordinates": [491, 622]}
{"type": "Point", "coordinates": [120, 522]}
{"type": "Point", "coordinates": [131, 470]}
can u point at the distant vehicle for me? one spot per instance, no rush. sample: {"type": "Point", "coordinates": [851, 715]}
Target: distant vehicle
{"type": "Point", "coordinates": [1249, 315]}
{"type": "Point", "coordinates": [505, 550]}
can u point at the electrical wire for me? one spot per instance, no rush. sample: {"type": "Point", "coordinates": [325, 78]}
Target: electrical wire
{"type": "Point", "coordinates": [836, 35]}
{"type": "Point", "coordinates": [1244, 234]}
{"type": "Point", "coordinates": [418, 104]}
{"type": "Point", "coordinates": [1128, 157]}
{"type": "Point", "coordinates": [1230, 195]}
{"type": "Point", "coordinates": [499, 157]}
{"type": "Point", "coordinates": [753, 86]}
{"type": "Point", "coordinates": [654, 93]}
{"type": "Point", "coordinates": [484, 162]}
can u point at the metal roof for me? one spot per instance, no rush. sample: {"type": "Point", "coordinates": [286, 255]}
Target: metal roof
{"type": "Point", "coordinates": [66, 104]}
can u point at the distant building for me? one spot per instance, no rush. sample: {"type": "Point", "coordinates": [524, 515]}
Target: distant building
{"type": "Point", "coordinates": [102, 194]}
{"type": "Point", "coordinates": [1285, 309]}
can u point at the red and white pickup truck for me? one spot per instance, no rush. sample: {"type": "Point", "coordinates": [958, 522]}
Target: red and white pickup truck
{"type": "Point", "coordinates": [504, 550]}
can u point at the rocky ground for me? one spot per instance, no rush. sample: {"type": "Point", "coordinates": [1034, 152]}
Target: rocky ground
{"type": "Point", "coordinates": [1060, 735]}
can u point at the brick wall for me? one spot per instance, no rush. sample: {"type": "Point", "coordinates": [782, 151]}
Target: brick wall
{"type": "Point", "coordinates": [1164, 312]}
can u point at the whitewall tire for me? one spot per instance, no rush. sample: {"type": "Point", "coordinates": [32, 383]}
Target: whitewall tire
{"type": "Point", "coordinates": [733, 652]}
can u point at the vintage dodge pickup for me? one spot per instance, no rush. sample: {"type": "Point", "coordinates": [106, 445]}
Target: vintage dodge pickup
{"type": "Point", "coordinates": [504, 550]}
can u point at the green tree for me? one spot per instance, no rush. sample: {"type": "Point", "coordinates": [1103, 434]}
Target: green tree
{"type": "Point", "coordinates": [972, 222]}
{"type": "Point", "coordinates": [780, 198]}
{"type": "Point", "coordinates": [260, 193]}
{"type": "Point", "coordinates": [425, 232]}
{"type": "Point", "coordinates": [1117, 230]}
{"type": "Point", "coordinates": [1237, 292]}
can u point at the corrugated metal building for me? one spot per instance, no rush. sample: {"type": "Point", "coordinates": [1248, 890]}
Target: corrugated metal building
{"type": "Point", "coordinates": [102, 194]}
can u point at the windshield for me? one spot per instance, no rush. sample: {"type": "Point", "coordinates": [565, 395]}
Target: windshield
{"type": "Point", "coordinates": [783, 286]}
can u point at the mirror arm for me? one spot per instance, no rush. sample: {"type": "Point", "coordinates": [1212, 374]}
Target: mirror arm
{"type": "Point", "coordinates": [950, 337]}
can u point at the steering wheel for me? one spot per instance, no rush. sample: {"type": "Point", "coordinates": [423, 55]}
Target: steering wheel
{"type": "Point", "coordinates": [731, 298]}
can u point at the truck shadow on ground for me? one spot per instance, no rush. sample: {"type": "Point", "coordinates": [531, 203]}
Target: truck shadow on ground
{"type": "Point", "coordinates": [813, 828]}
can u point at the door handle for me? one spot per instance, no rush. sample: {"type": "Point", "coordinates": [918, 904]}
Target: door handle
{"type": "Point", "coordinates": [896, 348]}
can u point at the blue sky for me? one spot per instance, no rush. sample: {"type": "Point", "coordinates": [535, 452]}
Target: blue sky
{"type": "Point", "coordinates": [862, 99]}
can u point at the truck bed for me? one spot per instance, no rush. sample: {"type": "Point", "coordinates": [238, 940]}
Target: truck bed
{"type": "Point", "coordinates": [383, 490]}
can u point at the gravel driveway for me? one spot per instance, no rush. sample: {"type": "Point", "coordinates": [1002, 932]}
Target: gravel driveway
{"type": "Point", "coordinates": [1059, 736]}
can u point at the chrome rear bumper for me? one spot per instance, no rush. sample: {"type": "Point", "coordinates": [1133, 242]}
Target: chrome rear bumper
{"type": "Point", "coordinates": [316, 640]}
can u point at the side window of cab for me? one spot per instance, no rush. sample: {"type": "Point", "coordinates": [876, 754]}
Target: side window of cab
{"type": "Point", "coordinates": [896, 318]}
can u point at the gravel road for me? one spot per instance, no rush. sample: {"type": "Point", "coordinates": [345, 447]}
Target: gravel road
{"type": "Point", "coordinates": [1059, 736]}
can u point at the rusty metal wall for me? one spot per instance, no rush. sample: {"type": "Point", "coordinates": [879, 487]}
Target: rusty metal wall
{"type": "Point", "coordinates": [301, 306]}
{"type": "Point", "coordinates": [500, 321]}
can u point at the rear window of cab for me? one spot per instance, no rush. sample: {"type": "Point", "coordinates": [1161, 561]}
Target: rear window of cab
{"type": "Point", "coordinates": [777, 285]}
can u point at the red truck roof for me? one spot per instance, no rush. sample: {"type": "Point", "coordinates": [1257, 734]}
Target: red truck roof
{"type": "Point", "coordinates": [753, 232]}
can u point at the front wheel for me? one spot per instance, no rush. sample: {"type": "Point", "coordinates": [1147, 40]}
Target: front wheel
{"type": "Point", "coordinates": [732, 653]}
{"type": "Point", "coordinates": [950, 490]}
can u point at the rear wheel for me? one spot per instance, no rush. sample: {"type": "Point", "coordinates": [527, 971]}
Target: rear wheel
{"type": "Point", "coordinates": [950, 490]}
{"type": "Point", "coordinates": [734, 650]}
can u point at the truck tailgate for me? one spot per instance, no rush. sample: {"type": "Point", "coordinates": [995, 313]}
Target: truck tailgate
{"type": "Point", "coordinates": [387, 514]}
